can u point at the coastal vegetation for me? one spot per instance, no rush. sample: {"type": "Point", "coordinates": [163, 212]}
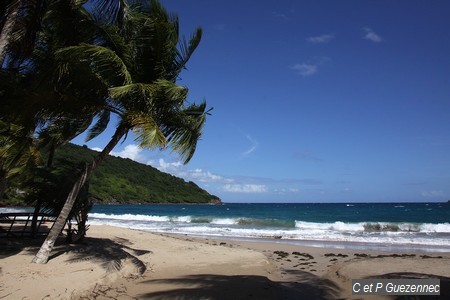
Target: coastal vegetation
{"type": "Point", "coordinates": [117, 181]}
{"type": "Point", "coordinates": [67, 66]}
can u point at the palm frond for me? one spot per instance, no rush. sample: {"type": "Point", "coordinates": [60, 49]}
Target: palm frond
{"type": "Point", "coordinates": [134, 90]}
{"type": "Point", "coordinates": [147, 133]}
{"type": "Point", "coordinates": [185, 51]}
{"type": "Point", "coordinates": [184, 129]}
{"type": "Point", "coordinates": [100, 126]}
{"type": "Point", "coordinates": [150, 97]}
{"type": "Point", "coordinates": [62, 129]}
{"type": "Point", "coordinates": [103, 62]}
{"type": "Point", "coordinates": [111, 11]}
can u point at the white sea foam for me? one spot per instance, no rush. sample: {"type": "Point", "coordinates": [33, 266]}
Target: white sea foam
{"type": "Point", "coordinates": [7, 210]}
{"type": "Point", "coordinates": [129, 217]}
{"type": "Point", "coordinates": [339, 226]}
{"type": "Point", "coordinates": [364, 232]}
{"type": "Point", "coordinates": [225, 221]}
{"type": "Point", "coordinates": [374, 226]}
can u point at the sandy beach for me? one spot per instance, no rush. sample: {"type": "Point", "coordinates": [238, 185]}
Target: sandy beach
{"type": "Point", "coordinates": [118, 263]}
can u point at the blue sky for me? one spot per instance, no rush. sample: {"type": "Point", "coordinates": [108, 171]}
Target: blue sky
{"type": "Point", "coordinates": [316, 101]}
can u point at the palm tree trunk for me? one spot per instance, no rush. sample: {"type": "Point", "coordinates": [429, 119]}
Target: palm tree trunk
{"type": "Point", "coordinates": [44, 252]}
{"type": "Point", "coordinates": [51, 155]}
{"type": "Point", "coordinates": [3, 182]}
{"type": "Point", "coordinates": [37, 210]}
{"type": "Point", "coordinates": [11, 17]}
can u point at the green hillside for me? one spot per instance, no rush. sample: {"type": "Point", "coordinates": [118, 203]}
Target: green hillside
{"type": "Point", "coordinates": [120, 180]}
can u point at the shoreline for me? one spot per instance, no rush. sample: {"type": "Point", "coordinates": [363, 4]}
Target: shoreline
{"type": "Point", "coordinates": [337, 245]}
{"type": "Point", "coordinates": [125, 263]}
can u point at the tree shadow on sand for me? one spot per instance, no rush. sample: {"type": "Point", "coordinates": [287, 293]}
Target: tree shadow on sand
{"type": "Point", "coordinates": [108, 253]}
{"type": "Point", "coordinates": [10, 246]}
{"type": "Point", "coordinates": [208, 286]}
{"type": "Point", "coordinates": [444, 286]}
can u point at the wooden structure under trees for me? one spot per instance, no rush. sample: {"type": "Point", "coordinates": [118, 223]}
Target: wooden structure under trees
{"type": "Point", "coordinates": [20, 224]}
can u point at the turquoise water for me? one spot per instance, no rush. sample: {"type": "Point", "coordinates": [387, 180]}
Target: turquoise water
{"type": "Point", "coordinates": [423, 226]}
{"type": "Point", "coordinates": [378, 226]}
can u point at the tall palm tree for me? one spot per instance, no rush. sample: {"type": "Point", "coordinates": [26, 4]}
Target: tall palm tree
{"type": "Point", "coordinates": [140, 65]}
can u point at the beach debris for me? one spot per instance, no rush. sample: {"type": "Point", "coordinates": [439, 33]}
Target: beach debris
{"type": "Point", "coordinates": [395, 255]}
{"type": "Point", "coordinates": [385, 255]}
{"type": "Point", "coordinates": [361, 255]}
{"type": "Point", "coordinates": [336, 255]}
{"type": "Point", "coordinates": [281, 254]}
{"type": "Point", "coordinates": [427, 256]}
{"type": "Point", "coordinates": [307, 255]}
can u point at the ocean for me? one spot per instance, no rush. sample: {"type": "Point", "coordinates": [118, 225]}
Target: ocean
{"type": "Point", "coordinates": [366, 226]}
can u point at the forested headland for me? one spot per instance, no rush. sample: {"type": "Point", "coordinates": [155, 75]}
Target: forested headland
{"type": "Point", "coordinates": [122, 181]}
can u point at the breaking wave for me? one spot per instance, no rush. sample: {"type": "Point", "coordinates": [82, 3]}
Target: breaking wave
{"type": "Point", "coordinates": [364, 232]}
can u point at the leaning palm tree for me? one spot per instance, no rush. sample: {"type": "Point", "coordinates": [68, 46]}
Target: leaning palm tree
{"type": "Point", "coordinates": [139, 63]}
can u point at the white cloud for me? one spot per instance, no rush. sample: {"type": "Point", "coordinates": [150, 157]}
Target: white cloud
{"type": "Point", "coordinates": [287, 190]}
{"type": "Point", "coordinates": [168, 167]}
{"type": "Point", "coordinates": [372, 36]}
{"type": "Point", "coordinates": [177, 168]}
{"type": "Point", "coordinates": [97, 149]}
{"type": "Point", "coordinates": [305, 69]}
{"type": "Point", "coordinates": [132, 152]}
{"type": "Point", "coordinates": [245, 188]}
{"type": "Point", "coordinates": [204, 176]}
{"type": "Point", "coordinates": [321, 39]}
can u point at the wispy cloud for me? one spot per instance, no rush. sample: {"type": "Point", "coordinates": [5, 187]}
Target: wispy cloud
{"type": "Point", "coordinates": [245, 188]}
{"type": "Point", "coordinates": [280, 16]}
{"type": "Point", "coordinates": [306, 69]}
{"type": "Point", "coordinates": [254, 145]}
{"type": "Point", "coordinates": [371, 35]}
{"type": "Point", "coordinates": [283, 191]}
{"type": "Point", "coordinates": [320, 39]}
{"type": "Point", "coordinates": [310, 67]}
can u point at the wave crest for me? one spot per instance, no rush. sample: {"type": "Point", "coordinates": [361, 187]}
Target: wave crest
{"type": "Point", "coordinates": [375, 227]}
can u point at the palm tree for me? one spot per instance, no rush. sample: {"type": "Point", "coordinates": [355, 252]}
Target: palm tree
{"type": "Point", "coordinates": [19, 23]}
{"type": "Point", "coordinates": [49, 106]}
{"type": "Point", "coordinates": [140, 66]}
{"type": "Point", "coordinates": [9, 14]}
